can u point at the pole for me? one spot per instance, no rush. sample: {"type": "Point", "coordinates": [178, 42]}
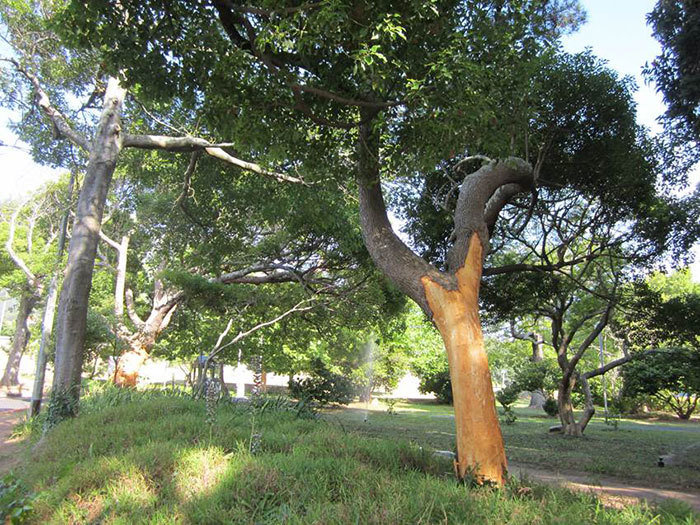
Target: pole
{"type": "Point", "coordinates": [602, 363]}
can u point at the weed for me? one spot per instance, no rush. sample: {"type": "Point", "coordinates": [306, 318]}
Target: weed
{"type": "Point", "coordinates": [16, 502]}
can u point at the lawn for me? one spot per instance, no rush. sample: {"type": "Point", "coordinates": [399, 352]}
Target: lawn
{"type": "Point", "coordinates": [628, 452]}
{"type": "Point", "coordinates": [157, 460]}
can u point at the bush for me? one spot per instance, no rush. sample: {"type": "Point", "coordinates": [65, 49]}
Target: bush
{"type": "Point", "coordinates": [438, 383]}
{"type": "Point", "coordinates": [506, 397]}
{"type": "Point", "coordinates": [323, 387]}
{"type": "Point", "coordinates": [550, 407]}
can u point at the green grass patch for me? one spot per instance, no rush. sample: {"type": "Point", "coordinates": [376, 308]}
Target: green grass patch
{"type": "Point", "coordinates": [155, 460]}
{"type": "Point", "coordinates": [629, 453]}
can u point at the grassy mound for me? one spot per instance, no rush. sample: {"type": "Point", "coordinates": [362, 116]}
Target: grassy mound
{"type": "Point", "coordinates": [156, 460]}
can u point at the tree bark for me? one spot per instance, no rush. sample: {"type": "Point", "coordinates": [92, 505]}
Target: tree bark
{"type": "Point", "coordinates": [49, 313]}
{"type": "Point", "coordinates": [480, 450]}
{"type": "Point", "coordinates": [73, 303]}
{"type": "Point", "coordinates": [537, 398]}
{"type": "Point", "coordinates": [449, 298]}
{"type": "Point", "coordinates": [19, 342]}
{"type": "Point", "coordinates": [569, 425]}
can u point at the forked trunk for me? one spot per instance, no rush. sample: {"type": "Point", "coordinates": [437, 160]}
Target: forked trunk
{"type": "Point", "coordinates": [480, 450]}
{"type": "Point", "coordinates": [569, 426]}
{"type": "Point", "coordinates": [19, 342]}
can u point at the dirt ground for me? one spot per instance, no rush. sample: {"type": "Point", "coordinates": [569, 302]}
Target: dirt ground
{"type": "Point", "coordinates": [612, 492]}
{"type": "Point", "coordinates": [9, 448]}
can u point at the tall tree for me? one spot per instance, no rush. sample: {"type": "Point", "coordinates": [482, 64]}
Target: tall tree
{"type": "Point", "coordinates": [676, 71]}
{"type": "Point", "coordinates": [38, 63]}
{"type": "Point", "coordinates": [400, 88]}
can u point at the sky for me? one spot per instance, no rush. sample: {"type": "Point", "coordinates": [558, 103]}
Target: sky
{"type": "Point", "coordinates": [615, 30]}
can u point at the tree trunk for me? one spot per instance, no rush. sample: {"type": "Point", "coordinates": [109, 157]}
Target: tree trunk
{"type": "Point", "coordinates": [537, 398]}
{"type": "Point", "coordinates": [50, 310]}
{"type": "Point", "coordinates": [480, 450]}
{"type": "Point", "coordinates": [450, 298]}
{"type": "Point", "coordinates": [129, 366]}
{"type": "Point", "coordinates": [569, 426]}
{"type": "Point", "coordinates": [73, 303]}
{"type": "Point", "coordinates": [19, 342]}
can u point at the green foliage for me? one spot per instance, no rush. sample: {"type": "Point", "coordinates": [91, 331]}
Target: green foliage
{"type": "Point", "coordinates": [676, 25]}
{"type": "Point", "coordinates": [542, 375]}
{"type": "Point", "coordinates": [671, 375]}
{"type": "Point", "coordinates": [550, 407]}
{"type": "Point", "coordinates": [506, 397]}
{"type": "Point", "coordinates": [437, 381]}
{"type": "Point", "coordinates": [16, 501]}
{"type": "Point", "coordinates": [323, 386]}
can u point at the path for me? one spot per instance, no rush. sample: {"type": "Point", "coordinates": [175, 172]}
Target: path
{"type": "Point", "coordinates": [612, 492]}
{"type": "Point", "coordinates": [11, 412]}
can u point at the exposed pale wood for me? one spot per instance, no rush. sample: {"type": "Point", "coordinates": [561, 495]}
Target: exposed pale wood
{"type": "Point", "coordinates": [480, 449]}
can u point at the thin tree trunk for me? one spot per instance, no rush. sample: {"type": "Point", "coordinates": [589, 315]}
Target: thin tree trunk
{"type": "Point", "coordinates": [19, 342]}
{"type": "Point", "coordinates": [73, 303]}
{"type": "Point", "coordinates": [49, 313]}
{"type": "Point", "coordinates": [480, 449]}
{"type": "Point", "coordinates": [537, 398]}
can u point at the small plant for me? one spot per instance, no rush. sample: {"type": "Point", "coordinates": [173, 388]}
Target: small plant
{"type": "Point", "coordinates": [323, 386]}
{"type": "Point", "coordinates": [62, 405]}
{"type": "Point", "coordinates": [212, 398]}
{"type": "Point", "coordinates": [550, 407]}
{"type": "Point", "coordinates": [613, 421]}
{"type": "Point", "coordinates": [506, 397]}
{"type": "Point", "coordinates": [16, 502]}
{"type": "Point", "coordinates": [390, 403]}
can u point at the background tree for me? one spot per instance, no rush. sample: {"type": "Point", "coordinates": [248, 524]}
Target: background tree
{"type": "Point", "coordinates": [671, 375]}
{"type": "Point", "coordinates": [676, 25]}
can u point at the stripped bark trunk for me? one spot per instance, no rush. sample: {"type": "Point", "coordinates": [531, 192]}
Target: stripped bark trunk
{"type": "Point", "coordinates": [480, 449]}
{"type": "Point", "coordinates": [73, 302]}
{"type": "Point", "coordinates": [10, 378]}
{"type": "Point", "coordinates": [450, 298]}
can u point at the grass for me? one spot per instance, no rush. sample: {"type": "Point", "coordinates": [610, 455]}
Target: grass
{"type": "Point", "coordinates": [635, 445]}
{"type": "Point", "coordinates": [154, 460]}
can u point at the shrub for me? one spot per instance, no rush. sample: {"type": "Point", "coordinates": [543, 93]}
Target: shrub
{"type": "Point", "coordinates": [438, 383]}
{"type": "Point", "coordinates": [550, 407]}
{"type": "Point", "coordinates": [323, 386]}
{"type": "Point", "coordinates": [506, 397]}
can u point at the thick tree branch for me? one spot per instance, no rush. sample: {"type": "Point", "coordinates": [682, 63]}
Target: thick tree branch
{"type": "Point", "coordinates": [193, 144]}
{"type": "Point", "coordinates": [58, 120]}
{"type": "Point", "coordinates": [19, 262]}
{"type": "Point", "coordinates": [390, 254]}
{"type": "Point", "coordinates": [473, 211]}
{"type": "Point", "coordinates": [131, 309]}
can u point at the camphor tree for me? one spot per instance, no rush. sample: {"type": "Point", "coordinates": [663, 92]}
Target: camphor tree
{"type": "Point", "coordinates": [393, 89]}
{"type": "Point", "coordinates": [660, 324]}
{"type": "Point", "coordinates": [42, 63]}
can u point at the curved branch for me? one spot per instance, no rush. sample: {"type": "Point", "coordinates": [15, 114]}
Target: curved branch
{"type": "Point", "coordinates": [131, 309]}
{"type": "Point", "coordinates": [13, 255]}
{"type": "Point", "coordinates": [57, 119]}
